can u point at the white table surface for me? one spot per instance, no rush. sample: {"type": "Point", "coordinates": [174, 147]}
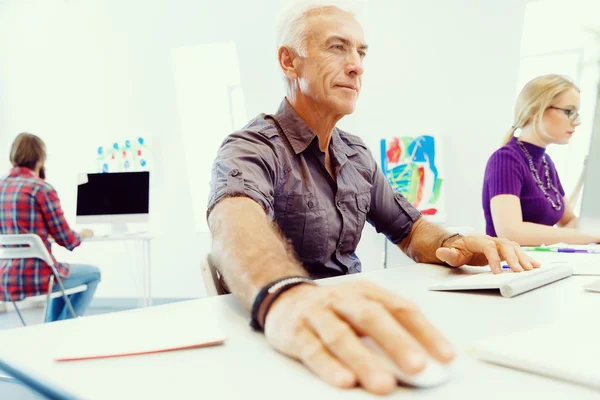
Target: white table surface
{"type": "Point", "coordinates": [245, 367]}
{"type": "Point", "coordinates": [119, 237]}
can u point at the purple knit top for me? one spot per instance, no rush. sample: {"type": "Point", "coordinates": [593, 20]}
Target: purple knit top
{"type": "Point", "coordinates": [508, 172]}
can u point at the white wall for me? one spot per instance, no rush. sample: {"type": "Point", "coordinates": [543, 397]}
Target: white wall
{"type": "Point", "coordinates": [447, 67]}
{"type": "Point", "coordinates": [85, 70]}
{"type": "Point", "coordinates": [81, 71]}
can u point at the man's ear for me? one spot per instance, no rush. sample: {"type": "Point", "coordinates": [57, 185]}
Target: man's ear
{"type": "Point", "coordinates": [288, 62]}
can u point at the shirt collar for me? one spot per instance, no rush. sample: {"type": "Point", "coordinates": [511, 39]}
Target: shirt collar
{"type": "Point", "coordinates": [294, 128]}
{"type": "Point", "coordinates": [22, 171]}
{"type": "Point", "coordinates": [536, 152]}
{"type": "Point", "coordinates": [339, 143]}
{"type": "Point", "coordinates": [301, 136]}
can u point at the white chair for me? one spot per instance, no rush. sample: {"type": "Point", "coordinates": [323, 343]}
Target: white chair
{"type": "Point", "coordinates": [33, 247]}
{"type": "Point", "coordinates": [212, 281]}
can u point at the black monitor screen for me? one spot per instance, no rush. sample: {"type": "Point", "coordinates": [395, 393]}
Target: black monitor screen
{"type": "Point", "coordinates": [114, 193]}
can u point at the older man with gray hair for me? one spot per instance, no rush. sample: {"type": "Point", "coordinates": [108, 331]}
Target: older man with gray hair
{"type": "Point", "coordinates": [290, 194]}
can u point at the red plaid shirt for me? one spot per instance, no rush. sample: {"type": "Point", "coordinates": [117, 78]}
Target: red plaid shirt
{"type": "Point", "coordinates": [30, 205]}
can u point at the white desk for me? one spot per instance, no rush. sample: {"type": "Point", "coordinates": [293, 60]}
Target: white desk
{"type": "Point", "coordinates": [247, 368]}
{"type": "Point", "coordinates": [144, 239]}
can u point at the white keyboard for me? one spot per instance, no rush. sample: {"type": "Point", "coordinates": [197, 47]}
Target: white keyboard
{"type": "Point", "coordinates": [507, 275]}
{"type": "Point", "coordinates": [509, 283]}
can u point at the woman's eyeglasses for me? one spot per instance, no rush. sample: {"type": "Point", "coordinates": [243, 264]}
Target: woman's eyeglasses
{"type": "Point", "coordinates": [571, 114]}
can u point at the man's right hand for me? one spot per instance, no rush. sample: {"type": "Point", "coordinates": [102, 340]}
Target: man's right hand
{"type": "Point", "coordinates": [86, 233]}
{"type": "Point", "coordinates": [321, 326]}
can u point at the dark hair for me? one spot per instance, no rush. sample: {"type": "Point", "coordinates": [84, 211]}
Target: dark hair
{"type": "Point", "coordinates": [27, 151]}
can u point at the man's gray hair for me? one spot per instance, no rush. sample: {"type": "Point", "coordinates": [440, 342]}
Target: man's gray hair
{"type": "Point", "coordinates": [291, 24]}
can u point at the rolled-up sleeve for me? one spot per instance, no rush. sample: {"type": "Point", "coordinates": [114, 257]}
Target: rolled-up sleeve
{"type": "Point", "coordinates": [390, 213]}
{"type": "Point", "coordinates": [245, 166]}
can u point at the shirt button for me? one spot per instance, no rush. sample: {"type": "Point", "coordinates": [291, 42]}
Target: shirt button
{"type": "Point", "coordinates": [310, 204]}
{"type": "Point", "coordinates": [235, 172]}
{"type": "Point", "coordinates": [339, 203]}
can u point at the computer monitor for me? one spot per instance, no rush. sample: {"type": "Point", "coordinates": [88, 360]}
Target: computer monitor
{"type": "Point", "coordinates": [114, 198]}
{"type": "Point", "coordinates": [589, 220]}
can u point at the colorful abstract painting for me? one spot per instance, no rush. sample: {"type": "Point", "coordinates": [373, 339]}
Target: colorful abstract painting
{"type": "Point", "coordinates": [412, 165]}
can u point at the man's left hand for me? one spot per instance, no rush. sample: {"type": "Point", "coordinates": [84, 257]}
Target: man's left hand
{"type": "Point", "coordinates": [482, 250]}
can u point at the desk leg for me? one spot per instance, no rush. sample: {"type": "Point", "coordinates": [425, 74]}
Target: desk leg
{"type": "Point", "coordinates": [147, 275]}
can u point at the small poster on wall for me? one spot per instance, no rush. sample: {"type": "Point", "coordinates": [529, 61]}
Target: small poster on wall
{"type": "Point", "coordinates": [413, 166]}
{"type": "Point", "coordinates": [123, 156]}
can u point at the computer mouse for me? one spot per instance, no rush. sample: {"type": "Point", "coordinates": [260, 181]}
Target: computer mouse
{"type": "Point", "coordinates": [434, 374]}
{"type": "Point", "coordinates": [593, 287]}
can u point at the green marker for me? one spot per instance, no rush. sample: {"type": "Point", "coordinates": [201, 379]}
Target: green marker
{"type": "Point", "coordinates": [544, 249]}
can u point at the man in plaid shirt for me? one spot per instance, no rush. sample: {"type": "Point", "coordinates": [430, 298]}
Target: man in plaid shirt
{"type": "Point", "coordinates": [28, 204]}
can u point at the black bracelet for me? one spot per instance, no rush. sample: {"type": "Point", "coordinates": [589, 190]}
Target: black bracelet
{"type": "Point", "coordinates": [274, 290]}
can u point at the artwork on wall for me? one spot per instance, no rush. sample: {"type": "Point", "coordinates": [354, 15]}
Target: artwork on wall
{"type": "Point", "coordinates": [123, 156]}
{"type": "Point", "coordinates": [413, 166]}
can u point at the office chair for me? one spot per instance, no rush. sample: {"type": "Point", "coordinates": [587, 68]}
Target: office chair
{"type": "Point", "coordinates": [31, 246]}
{"type": "Point", "coordinates": [212, 280]}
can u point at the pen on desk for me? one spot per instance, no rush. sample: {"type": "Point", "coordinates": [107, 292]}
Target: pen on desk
{"type": "Point", "coordinates": [561, 250]}
{"type": "Point", "coordinates": [574, 251]}
{"type": "Point", "coordinates": [542, 249]}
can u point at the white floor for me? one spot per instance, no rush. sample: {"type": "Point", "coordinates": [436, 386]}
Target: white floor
{"type": "Point", "coordinates": [33, 316]}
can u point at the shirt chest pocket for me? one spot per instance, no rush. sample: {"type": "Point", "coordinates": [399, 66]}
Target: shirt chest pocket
{"type": "Point", "coordinates": [355, 217]}
{"type": "Point", "coordinates": [305, 224]}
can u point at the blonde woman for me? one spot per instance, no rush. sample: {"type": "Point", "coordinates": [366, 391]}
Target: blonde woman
{"type": "Point", "coordinates": [523, 199]}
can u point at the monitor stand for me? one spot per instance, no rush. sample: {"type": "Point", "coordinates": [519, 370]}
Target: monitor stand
{"type": "Point", "coordinates": [118, 229]}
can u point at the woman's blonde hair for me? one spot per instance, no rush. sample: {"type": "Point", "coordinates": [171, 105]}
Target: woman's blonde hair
{"type": "Point", "coordinates": [537, 95]}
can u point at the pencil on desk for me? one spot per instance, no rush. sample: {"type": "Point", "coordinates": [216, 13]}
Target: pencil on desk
{"type": "Point", "coordinates": [561, 250]}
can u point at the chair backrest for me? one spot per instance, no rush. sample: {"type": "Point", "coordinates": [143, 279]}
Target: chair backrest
{"type": "Point", "coordinates": [209, 280]}
{"type": "Point", "coordinates": [212, 283]}
{"type": "Point", "coordinates": [34, 248]}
